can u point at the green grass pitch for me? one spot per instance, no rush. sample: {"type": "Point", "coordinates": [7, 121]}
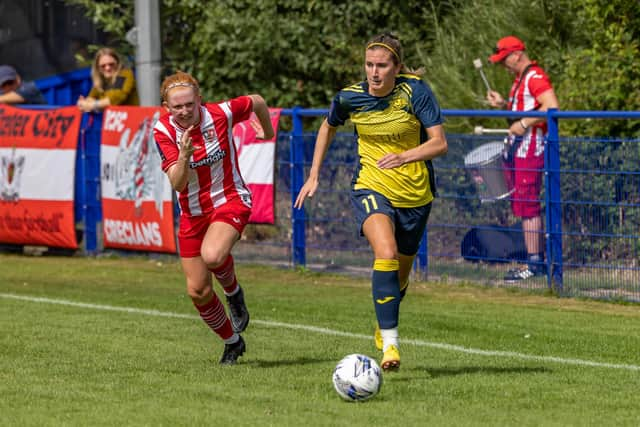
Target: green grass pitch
{"type": "Point", "coordinates": [116, 342]}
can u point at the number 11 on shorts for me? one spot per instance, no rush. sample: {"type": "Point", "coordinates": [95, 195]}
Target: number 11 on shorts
{"type": "Point", "coordinates": [373, 206]}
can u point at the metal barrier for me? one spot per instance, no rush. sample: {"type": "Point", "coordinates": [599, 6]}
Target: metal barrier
{"type": "Point", "coordinates": [571, 272]}
{"type": "Point", "coordinates": [88, 202]}
{"type": "Point", "coordinates": [65, 88]}
{"type": "Point", "coordinates": [591, 210]}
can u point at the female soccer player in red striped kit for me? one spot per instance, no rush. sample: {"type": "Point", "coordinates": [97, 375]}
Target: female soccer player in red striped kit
{"type": "Point", "coordinates": [195, 142]}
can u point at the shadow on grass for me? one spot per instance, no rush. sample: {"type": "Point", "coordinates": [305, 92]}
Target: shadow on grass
{"type": "Point", "coordinates": [448, 372]}
{"type": "Point", "coordinates": [284, 363]}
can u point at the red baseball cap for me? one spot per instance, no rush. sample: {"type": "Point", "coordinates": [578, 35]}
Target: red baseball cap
{"type": "Point", "coordinates": [505, 46]}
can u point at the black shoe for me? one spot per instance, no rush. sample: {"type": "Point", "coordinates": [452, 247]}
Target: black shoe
{"type": "Point", "coordinates": [232, 352]}
{"type": "Point", "coordinates": [238, 310]}
{"type": "Point", "coordinates": [521, 274]}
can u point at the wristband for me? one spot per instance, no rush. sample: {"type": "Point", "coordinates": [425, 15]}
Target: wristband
{"type": "Point", "coordinates": [95, 105]}
{"type": "Point", "coordinates": [522, 124]}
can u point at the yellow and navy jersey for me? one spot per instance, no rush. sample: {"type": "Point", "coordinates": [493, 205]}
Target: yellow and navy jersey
{"type": "Point", "coordinates": [390, 124]}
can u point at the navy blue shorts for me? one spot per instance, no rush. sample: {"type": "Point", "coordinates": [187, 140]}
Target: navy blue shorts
{"type": "Point", "coordinates": [409, 223]}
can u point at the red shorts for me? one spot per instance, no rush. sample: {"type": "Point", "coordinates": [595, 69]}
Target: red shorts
{"type": "Point", "coordinates": [527, 182]}
{"type": "Point", "coordinates": [193, 228]}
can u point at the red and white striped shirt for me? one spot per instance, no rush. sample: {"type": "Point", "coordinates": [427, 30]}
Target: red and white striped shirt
{"type": "Point", "coordinates": [529, 86]}
{"type": "Point", "coordinates": [214, 175]}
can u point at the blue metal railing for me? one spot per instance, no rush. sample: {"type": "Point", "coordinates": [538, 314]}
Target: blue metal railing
{"type": "Point", "coordinates": [552, 194]}
{"type": "Point", "coordinates": [64, 89]}
{"type": "Point", "coordinates": [317, 228]}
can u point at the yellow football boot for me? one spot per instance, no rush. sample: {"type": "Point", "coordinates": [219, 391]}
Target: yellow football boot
{"type": "Point", "coordinates": [390, 359]}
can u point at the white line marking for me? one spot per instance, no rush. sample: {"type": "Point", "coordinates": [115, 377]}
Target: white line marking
{"type": "Point", "coordinates": [326, 331]}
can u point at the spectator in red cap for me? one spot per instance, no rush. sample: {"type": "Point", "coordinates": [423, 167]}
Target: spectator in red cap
{"type": "Point", "coordinates": [531, 90]}
{"type": "Point", "coordinates": [505, 46]}
{"type": "Point", "coordinates": [15, 91]}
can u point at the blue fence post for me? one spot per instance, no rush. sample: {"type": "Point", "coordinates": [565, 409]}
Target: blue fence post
{"type": "Point", "coordinates": [93, 176]}
{"type": "Point", "coordinates": [553, 203]}
{"type": "Point", "coordinates": [421, 263]}
{"type": "Point", "coordinates": [296, 166]}
{"type": "Point", "coordinates": [89, 203]}
{"type": "Point", "coordinates": [80, 208]}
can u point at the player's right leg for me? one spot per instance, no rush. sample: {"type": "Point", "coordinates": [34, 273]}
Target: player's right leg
{"type": "Point", "coordinates": [211, 310]}
{"type": "Point", "coordinates": [226, 276]}
{"type": "Point", "coordinates": [227, 223]}
{"type": "Point", "coordinates": [385, 286]}
{"type": "Point", "coordinates": [200, 289]}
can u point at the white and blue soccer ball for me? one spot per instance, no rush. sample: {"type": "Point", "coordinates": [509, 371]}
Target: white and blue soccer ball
{"type": "Point", "coordinates": [357, 378]}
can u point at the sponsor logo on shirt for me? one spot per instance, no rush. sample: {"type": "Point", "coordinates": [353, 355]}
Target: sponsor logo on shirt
{"type": "Point", "coordinates": [210, 159]}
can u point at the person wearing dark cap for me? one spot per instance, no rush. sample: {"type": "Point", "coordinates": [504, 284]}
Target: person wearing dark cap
{"type": "Point", "coordinates": [531, 90]}
{"type": "Point", "coordinates": [15, 91]}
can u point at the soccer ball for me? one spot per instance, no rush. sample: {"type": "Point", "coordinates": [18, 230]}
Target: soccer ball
{"type": "Point", "coordinates": [357, 377]}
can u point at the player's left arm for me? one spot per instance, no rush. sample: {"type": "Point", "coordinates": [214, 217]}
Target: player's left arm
{"type": "Point", "coordinates": [265, 130]}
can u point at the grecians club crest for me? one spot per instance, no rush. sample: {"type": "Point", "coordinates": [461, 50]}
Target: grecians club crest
{"type": "Point", "coordinates": [11, 167]}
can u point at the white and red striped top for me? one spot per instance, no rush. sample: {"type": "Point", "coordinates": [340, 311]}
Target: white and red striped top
{"type": "Point", "coordinates": [214, 175]}
{"type": "Point", "coordinates": [534, 82]}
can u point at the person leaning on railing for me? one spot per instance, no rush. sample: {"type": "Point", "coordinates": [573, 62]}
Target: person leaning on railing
{"type": "Point", "coordinates": [113, 84]}
{"type": "Point", "coordinates": [13, 90]}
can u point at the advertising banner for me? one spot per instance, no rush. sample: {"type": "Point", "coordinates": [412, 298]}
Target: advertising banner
{"type": "Point", "coordinates": [257, 165]}
{"type": "Point", "coordinates": [137, 207]}
{"type": "Point", "coordinates": [37, 172]}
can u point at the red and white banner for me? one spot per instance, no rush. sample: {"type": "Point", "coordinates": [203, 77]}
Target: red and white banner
{"type": "Point", "coordinates": [37, 171]}
{"type": "Point", "coordinates": [257, 165]}
{"type": "Point", "coordinates": [137, 206]}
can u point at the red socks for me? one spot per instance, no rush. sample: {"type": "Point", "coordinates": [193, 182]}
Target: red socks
{"type": "Point", "coordinates": [215, 317]}
{"type": "Point", "coordinates": [226, 275]}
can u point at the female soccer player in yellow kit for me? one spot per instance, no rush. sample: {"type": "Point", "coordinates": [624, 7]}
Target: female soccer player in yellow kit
{"type": "Point", "coordinates": [399, 130]}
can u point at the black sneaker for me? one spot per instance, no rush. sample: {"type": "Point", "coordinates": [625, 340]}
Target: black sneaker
{"type": "Point", "coordinates": [232, 352]}
{"type": "Point", "coordinates": [238, 310]}
{"type": "Point", "coordinates": [521, 274]}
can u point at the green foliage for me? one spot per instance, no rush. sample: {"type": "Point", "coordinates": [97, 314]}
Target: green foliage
{"type": "Point", "coordinates": [299, 52]}
{"type": "Point", "coordinates": [471, 32]}
{"type": "Point", "coordinates": [603, 73]}
{"type": "Point", "coordinates": [293, 52]}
